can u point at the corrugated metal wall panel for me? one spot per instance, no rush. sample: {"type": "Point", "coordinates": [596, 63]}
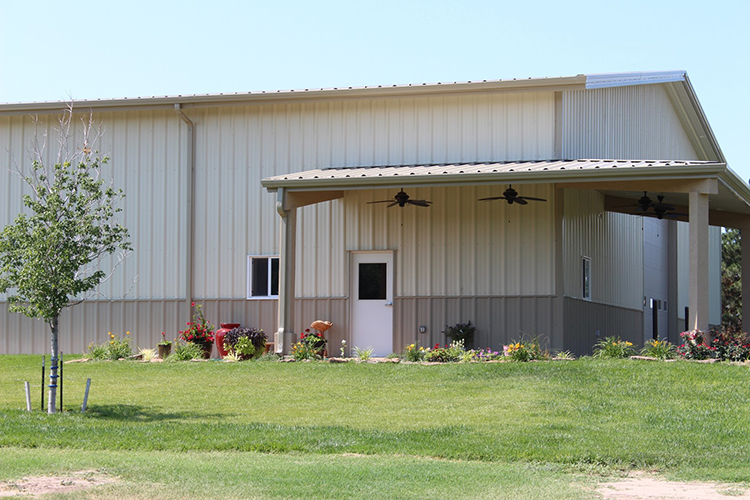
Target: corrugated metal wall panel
{"type": "Point", "coordinates": [234, 217]}
{"type": "Point", "coordinates": [144, 151]}
{"type": "Point", "coordinates": [585, 319]}
{"type": "Point", "coordinates": [613, 241]}
{"type": "Point", "coordinates": [458, 246]}
{"type": "Point", "coordinates": [635, 122]}
{"type": "Point", "coordinates": [498, 319]}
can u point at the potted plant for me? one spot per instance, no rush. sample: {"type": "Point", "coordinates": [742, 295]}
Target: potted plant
{"type": "Point", "coordinates": [199, 331]}
{"type": "Point", "coordinates": [245, 343]}
{"type": "Point", "coordinates": [461, 331]}
{"type": "Point", "coordinates": [164, 347]}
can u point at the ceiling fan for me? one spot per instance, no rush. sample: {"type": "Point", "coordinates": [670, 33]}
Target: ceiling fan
{"type": "Point", "coordinates": [661, 209]}
{"type": "Point", "coordinates": [511, 196]}
{"type": "Point", "coordinates": [402, 199]}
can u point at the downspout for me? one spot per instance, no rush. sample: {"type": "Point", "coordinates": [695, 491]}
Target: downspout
{"type": "Point", "coordinates": [189, 230]}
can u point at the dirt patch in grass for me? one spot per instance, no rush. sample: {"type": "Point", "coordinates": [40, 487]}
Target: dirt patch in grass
{"type": "Point", "coordinates": [35, 486]}
{"type": "Point", "coordinates": [645, 487]}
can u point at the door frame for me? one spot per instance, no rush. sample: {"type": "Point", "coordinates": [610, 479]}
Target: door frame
{"type": "Point", "coordinates": [350, 263]}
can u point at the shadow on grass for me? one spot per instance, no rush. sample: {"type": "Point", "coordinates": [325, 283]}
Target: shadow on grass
{"type": "Point", "coordinates": [136, 413]}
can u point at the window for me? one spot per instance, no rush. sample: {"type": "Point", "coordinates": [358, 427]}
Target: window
{"type": "Point", "coordinates": [262, 277]}
{"type": "Point", "coordinates": [586, 290]}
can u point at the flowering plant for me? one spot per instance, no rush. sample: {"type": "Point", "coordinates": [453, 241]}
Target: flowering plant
{"type": "Point", "coordinates": [731, 345]}
{"type": "Point", "coordinates": [164, 340]}
{"type": "Point", "coordinates": [414, 352]}
{"type": "Point", "coordinates": [613, 347]}
{"type": "Point", "coordinates": [446, 354]}
{"type": "Point", "coordinates": [199, 331]}
{"type": "Point", "coordinates": [526, 350]}
{"type": "Point", "coordinates": [315, 341]}
{"type": "Point", "coordinates": [694, 346]}
{"type": "Point", "coordinates": [660, 349]}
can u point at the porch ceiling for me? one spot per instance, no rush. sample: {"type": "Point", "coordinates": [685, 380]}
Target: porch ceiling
{"type": "Point", "coordinates": [619, 180]}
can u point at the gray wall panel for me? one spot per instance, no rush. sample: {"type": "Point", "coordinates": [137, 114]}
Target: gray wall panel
{"type": "Point", "coordinates": [584, 318]}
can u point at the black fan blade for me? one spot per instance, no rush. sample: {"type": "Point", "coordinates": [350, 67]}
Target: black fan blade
{"type": "Point", "coordinates": [493, 198]}
{"type": "Point", "coordinates": [420, 203]}
{"type": "Point", "coordinates": [519, 200]}
{"type": "Point", "coordinates": [392, 204]}
{"type": "Point", "coordinates": [530, 198]}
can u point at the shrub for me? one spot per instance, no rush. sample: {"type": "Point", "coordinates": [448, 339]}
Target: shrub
{"type": "Point", "coordinates": [449, 353]}
{"type": "Point", "coordinates": [147, 354]}
{"type": "Point", "coordinates": [526, 350]}
{"type": "Point", "coordinates": [363, 354]}
{"type": "Point", "coordinates": [186, 352]}
{"type": "Point", "coordinates": [731, 345]}
{"type": "Point", "coordinates": [613, 347]}
{"type": "Point", "coordinates": [461, 331]}
{"type": "Point", "coordinates": [694, 346]}
{"type": "Point", "coordinates": [245, 342]}
{"type": "Point", "coordinates": [115, 348]}
{"type": "Point", "coordinates": [660, 349]}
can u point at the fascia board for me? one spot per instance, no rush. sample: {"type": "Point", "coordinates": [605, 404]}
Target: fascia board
{"type": "Point", "coordinates": [210, 100]}
{"type": "Point", "coordinates": [734, 183]}
{"type": "Point", "coordinates": [607, 80]}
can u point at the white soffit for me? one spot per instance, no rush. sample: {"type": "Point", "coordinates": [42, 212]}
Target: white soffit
{"type": "Point", "coordinates": [473, 173]}
{"type": "Point", "coordinates": [606, 80]}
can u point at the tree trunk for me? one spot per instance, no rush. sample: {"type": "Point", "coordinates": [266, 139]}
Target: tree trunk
{"type": "Point", "coordinates": [53, 366]}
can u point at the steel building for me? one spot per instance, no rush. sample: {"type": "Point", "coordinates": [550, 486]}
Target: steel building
{"type": "Point", "coordinates": [258, 205]}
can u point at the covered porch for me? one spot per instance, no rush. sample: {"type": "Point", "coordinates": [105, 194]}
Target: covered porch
{"type": "Point", "coordinates": [706, 193]}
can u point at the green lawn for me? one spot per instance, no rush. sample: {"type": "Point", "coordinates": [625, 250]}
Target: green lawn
{"type": "Point", "coordinates": [291, 430]}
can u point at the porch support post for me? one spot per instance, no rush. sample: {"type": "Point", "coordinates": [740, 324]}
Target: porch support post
{"type": "Point", "coordinates": [745, 267]}
{"type": "Point", "coordinates": [698, 294]}
{"type": "Point", "coordinates": [288, 232]}
{"type": "Point", "coordinates": [557, 339]}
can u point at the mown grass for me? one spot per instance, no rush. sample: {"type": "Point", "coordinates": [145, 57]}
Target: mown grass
{"type": "Point", "coordinates": [688, 419]}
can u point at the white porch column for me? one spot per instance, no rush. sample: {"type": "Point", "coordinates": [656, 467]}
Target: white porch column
{"type": "Point", "coordinates": [698, 293]}
{"type": "Point", "coordinates": [286, 271]}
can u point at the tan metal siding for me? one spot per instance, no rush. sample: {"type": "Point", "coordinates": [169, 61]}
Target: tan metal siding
{"type": "Point", "coordinates": [459, 247]}
{"type": "Point", "coordinates": [613, 241]}
{"type": "Point", "coordinates": [236, 147]}
{"type": "Point", "coordinates": [636, 122]}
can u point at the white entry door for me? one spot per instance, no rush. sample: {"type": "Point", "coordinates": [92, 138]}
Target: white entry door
{"type": "Point", "coordinates": [371, 296]}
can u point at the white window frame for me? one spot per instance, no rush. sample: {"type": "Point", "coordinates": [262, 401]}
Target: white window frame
{"type": "Point", "coordinates": [585, 277]}
{"type": "Point", "coordinates": [249, 293]}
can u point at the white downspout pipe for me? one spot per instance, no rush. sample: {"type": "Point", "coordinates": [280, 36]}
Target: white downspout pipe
{"type": "Point", "coordinates": [189, 230]}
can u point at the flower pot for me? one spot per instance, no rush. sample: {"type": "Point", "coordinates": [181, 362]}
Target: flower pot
{"type": "Point", "coordinates": [207, 347]}
{"type": "Point", "coordinates": [219, 336]}
{"type": "Point", "coordinates": [164, 350]}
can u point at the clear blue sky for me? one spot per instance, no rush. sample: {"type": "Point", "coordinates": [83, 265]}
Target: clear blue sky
{"type": "Point", "coordinates": [53, 50]}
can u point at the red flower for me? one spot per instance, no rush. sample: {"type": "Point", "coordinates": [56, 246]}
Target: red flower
{"type": "Point", "coordinates": [192, 304]}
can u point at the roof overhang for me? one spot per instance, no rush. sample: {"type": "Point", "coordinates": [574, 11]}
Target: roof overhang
{"type": "Point", "coordinates": [616, 179]}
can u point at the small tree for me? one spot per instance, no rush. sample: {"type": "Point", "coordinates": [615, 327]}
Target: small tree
{"type": "Point", "coordinates": [49, 255]}
{"type": "Point", "coordinates": [731, 281]}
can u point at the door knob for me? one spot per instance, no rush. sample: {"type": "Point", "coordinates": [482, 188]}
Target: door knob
{"type": "Point", "coordinates": [389, 304]}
